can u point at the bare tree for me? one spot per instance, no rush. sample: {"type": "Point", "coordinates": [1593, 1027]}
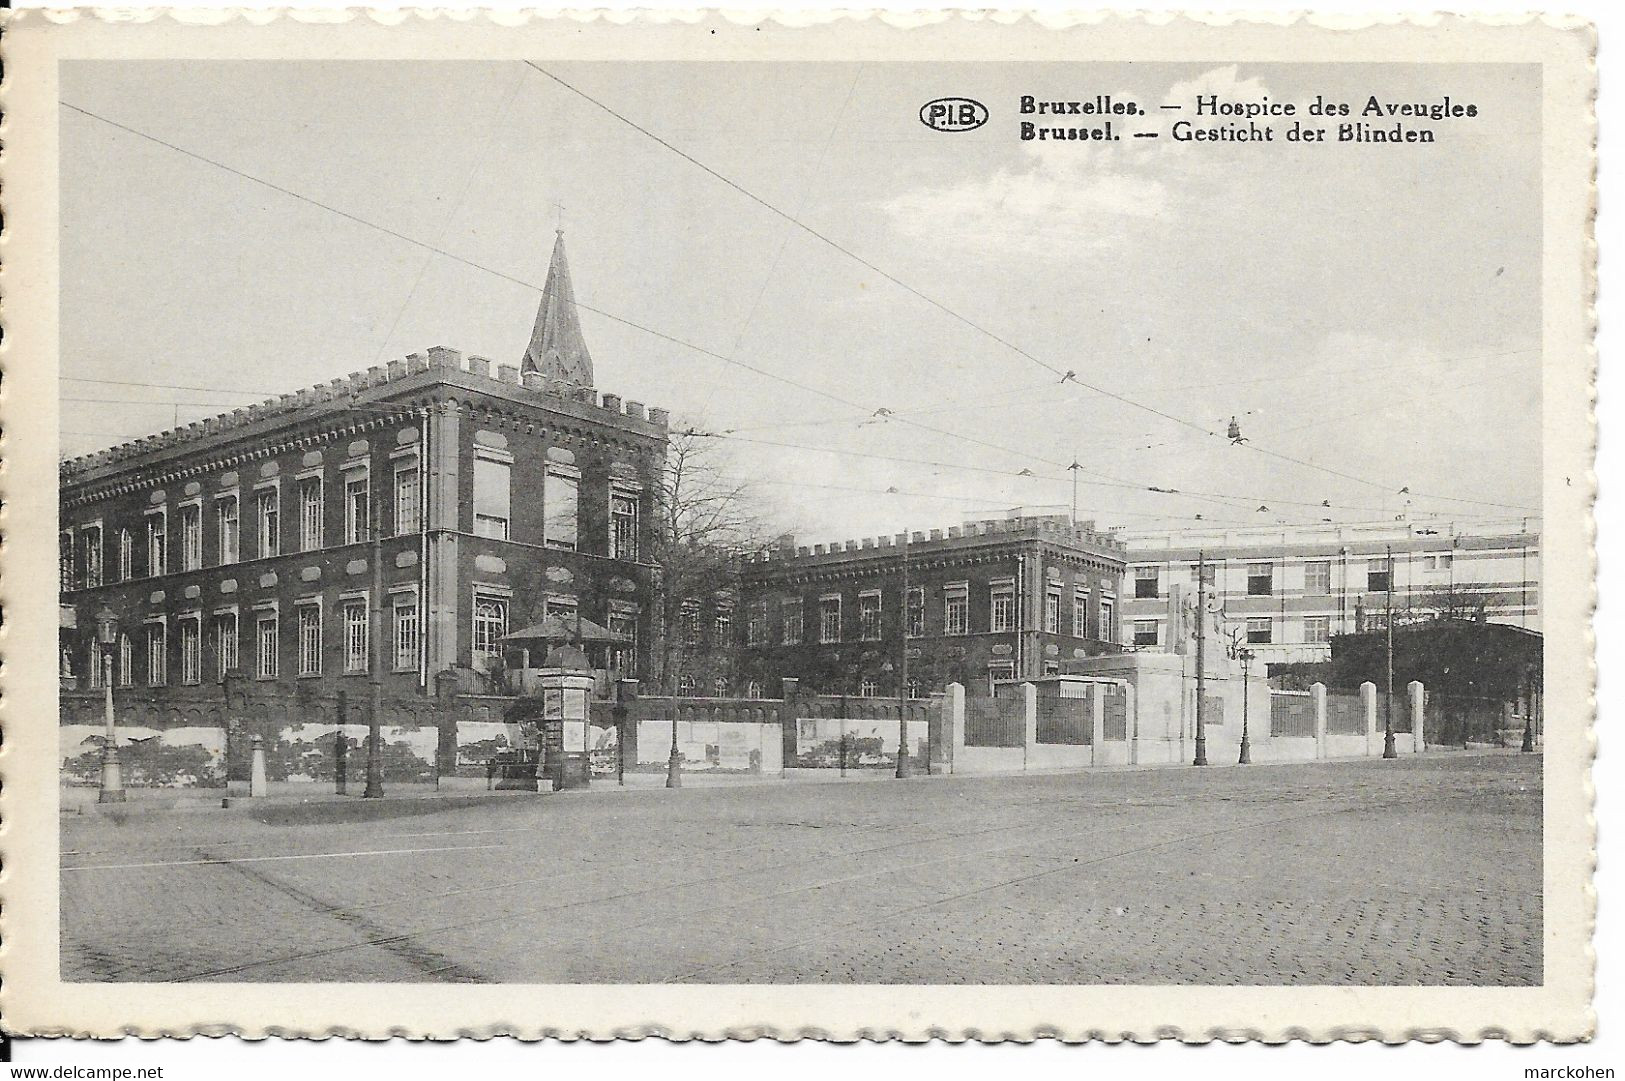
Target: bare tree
{"type": "Point", "coordinates": [710, 520]}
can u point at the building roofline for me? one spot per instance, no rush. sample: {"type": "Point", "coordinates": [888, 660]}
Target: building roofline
{"type": "Point", "coordinates": [375, 386]}
{"type": "Point", "coordinates": [971, 536]}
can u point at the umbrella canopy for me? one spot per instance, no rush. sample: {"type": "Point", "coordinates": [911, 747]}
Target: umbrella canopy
{"type": "Point", "coordinates": [565, 629]}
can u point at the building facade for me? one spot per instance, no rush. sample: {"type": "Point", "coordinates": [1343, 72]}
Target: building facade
{"type": "Point", "coordinates": [1000, 599]}
{"type": "Point", "coordinates": [400, 520]}
{"type": "Point", "coordinates": [1285, 592]}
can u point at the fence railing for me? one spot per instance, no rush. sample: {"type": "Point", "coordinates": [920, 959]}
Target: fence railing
{"type": "Point", "coordinates": [1114, 721]}
{"type": "Point", "coordinates": [1067, 721]}
{"type": "Point", "coordinates": [1345, 714]}
{"type": "Point", "coordinates": [995, 722]}
{"type": "Point", "coordinates": [1292, 714]}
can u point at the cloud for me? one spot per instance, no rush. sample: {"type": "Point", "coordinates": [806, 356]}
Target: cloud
{"type": "Point", "coordinates": [1093, 195]}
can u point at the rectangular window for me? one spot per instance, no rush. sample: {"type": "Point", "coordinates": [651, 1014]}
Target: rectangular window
{"type": "Point", "coordinates": [1052, 610]}
{"type": "Point", "coordinates": [722, 625]}
{"type": "Point", "coordinates": [1317, 578]}
{"type": "Point", "coordinates": [916, 612]}
{"type": "Point", "coordinates": [1260, 579]}
{"type": "Point", "coordinates": [406, 631]}
{"type": "Point", "coordinates": [1003, 609]}
{"type": "Point", "coordinates": [829, 619]}
{"type": "Point", "coordinates": [310, 514]}
{"type": "Point", "coordinates": [268, 515]}
{"type": "Point", "coordinates": [490, 624]}
{"type": "Point", "coordinates": [492, 495]}
{"type": "Point", "coordinates": [1208, 571]}
{"type": "Point", "coordinates": [357, 508]}
{"type": "Point", "coordinates": [561, 500]}
{"type": "Point", "coordinates": [157, 655]}
{"type": "Point", "coordinates": [126, 555]}
{"type": "Point", "coordinates": [191, 650]}
{"type": "Point", "coordinates": [266, 664]}
{"type": "Point", "coordinates": [1080, 613]}
{"type": "Point", "coordinates": [692, 624]}
{"type": "Point", "coordinates": [623, 525]}
{"type": "Point", "coordinates": [65, 577]}
{"type": "Point", "coordinates": [1147, 582]}
{"type": "Point", "coordinates": [92, 545]}
{"type": "Point", "coordinates": [408, 500]}
{"type": "Point", "coordinates": [791, 611]}
{"type": "Point", "coordinates": [1108, 630]}
{"type": "Point", "coordinates": [1378, 576]}
{"type": "Point", "coordinates": [96, 669]}
{"type": "Point", "coordinates": [126, 661]}
{"type": "Point", "coordinates": [997, 670]}
{"type": "Point", "coordinates": [869, 615]}
{"type": "Point", "coordinates": [1145, 632]}
{"type": "Point", "coordinates": [310, 640]}
{"type": "Point", "coordinates": [623, 655]}
{"type": "Point", "coordinates": [956, 611]}
{"type": "Point", "coordinates": [1317, 630]}
{"type": "Point", "coordinates": [191, 537]}
{"type": "Point", "coordinates": [226, 529]}
{"type": "Point", "coordinates": [357, 627]}
{"type": "Point", "coordinates": [1258, 632]}
{"type": "Point", "coordinates": [756, 625]}
{"type": "Point", "coordinates": [157, 544]}
{"type": "Point", "coordinates": [225, 643]}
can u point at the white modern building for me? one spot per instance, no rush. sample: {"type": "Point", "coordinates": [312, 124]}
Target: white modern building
{"type": "Point", "coordinates": [1283, 591]}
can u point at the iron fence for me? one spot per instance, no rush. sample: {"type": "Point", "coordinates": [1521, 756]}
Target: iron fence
{"type": "Point", "coordinates": [1292, 713]}
{"type": "Point", "coordinates": [1067, 721]}
{"type": "Point", "coordinates": [995, 722]}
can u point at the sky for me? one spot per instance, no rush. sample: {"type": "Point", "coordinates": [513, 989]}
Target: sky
{"type": "Point", "coordinates": [1370, 314]}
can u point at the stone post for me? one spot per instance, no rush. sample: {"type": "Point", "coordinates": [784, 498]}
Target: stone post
{"type": "Point", "coordinates": [1029, 714]}
{"type": "Point", "coordinates": [256, 769]}
{"type": "Point", "coordinates": [1097, 721]}
{"type": "Point", "coordinates": [789, 713]}
{"type": "Point", "coordinates": [1418, 697]}
{"type": "Point", "coordinates": [955, 705]}
{"type": "Point", "coordinates": [1368, 705]}
{"type": "Point", "coordinates": [1131, 708]}
{"type": "Point", "coordinates": [1317, 695]}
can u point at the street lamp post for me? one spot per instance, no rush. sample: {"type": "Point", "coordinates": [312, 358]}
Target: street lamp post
{"type": "Point", "coordinates": [112, 781]}
{"type": "Point", "coordinates": [1246, 657]}
{"type": "Point", "coordinates": [902, 678]}
{"type": "Point", "coordinates": [1201, 649]}
{"type": "Point", "coordinates": [1388, 701]}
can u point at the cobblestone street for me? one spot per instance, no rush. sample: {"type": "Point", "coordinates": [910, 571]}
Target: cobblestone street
{"type": "Point", "coordinates": [1421, 871]}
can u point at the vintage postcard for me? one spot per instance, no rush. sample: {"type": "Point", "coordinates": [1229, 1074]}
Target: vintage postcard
{"type": "Point", "coordinates": [980, 527]}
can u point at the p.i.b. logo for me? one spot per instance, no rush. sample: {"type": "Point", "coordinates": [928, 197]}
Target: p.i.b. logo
{"type": "Point", "coordinates": [953, 114]}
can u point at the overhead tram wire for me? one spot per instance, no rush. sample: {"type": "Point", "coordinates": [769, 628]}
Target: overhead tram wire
{"type": "Point", "coordinates": [439, 250]}
{"type": "Point", "coordinates": [1067, 375]}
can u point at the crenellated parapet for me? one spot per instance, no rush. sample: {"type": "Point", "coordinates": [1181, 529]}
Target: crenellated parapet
{"type": "Point", "coordinates": [408, 373]}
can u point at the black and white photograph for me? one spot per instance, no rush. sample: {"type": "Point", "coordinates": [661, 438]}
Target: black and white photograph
{"type": "Point", "coordinates": [567, 519]}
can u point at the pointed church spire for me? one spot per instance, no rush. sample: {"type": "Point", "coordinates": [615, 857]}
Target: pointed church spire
{"type": "Point", "coordinates": [557, 349]}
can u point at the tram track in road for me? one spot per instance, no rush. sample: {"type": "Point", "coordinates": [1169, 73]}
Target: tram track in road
{"type": "Point", "coordinates": [666, 888]}
{"type": "Point", "coordinates": [1078, 864]}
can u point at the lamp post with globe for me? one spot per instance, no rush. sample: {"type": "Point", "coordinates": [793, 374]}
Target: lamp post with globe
{"type": "Point", "coordinates": [112, 781]}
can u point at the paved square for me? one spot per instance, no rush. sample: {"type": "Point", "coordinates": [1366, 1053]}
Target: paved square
{"type": "Point", "coordinates": [1421, 871]}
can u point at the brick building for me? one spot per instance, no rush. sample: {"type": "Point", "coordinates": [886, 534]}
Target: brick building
{"type": "Point", "coordinates": [438, 501]}
{"type": "Point", "coordinates": [993, 599]}
{"type": "Point", "coordinates": [1288, 591]}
